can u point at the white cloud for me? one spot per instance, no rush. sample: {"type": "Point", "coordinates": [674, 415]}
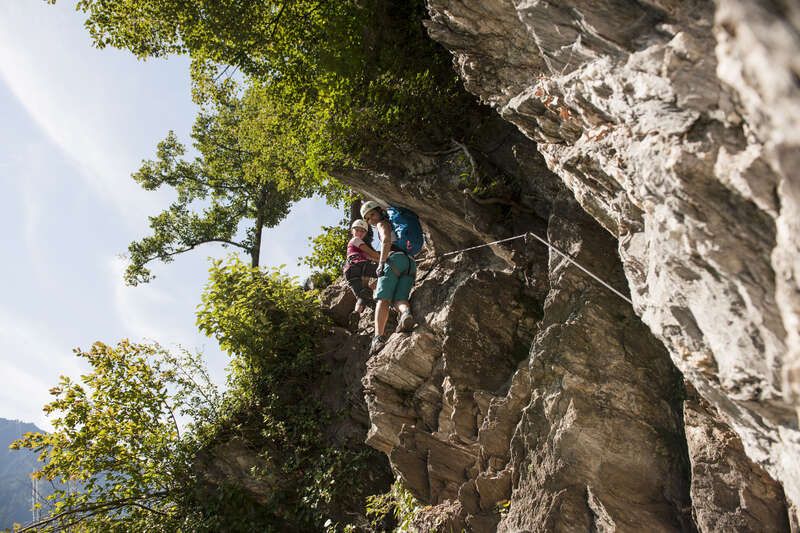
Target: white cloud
{"type": "Point", "coordinates": [104, 111]}
{"type": "Point", "coordinates": [74, 94]}
{"type": "Point", "coordinates": [31, 197]}
{"type": "Point", "coordinates": [148, 313]}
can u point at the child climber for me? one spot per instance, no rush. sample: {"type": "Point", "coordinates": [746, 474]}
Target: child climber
{"type": "Point", "coordinates": [360, 264]}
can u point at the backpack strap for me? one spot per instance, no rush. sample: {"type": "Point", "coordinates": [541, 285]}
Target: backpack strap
{"type": "Point", "coordinates": [396, 248]}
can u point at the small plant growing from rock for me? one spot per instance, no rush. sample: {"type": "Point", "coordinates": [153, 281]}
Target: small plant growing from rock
{"type": "Point", "coordinates": [398, 503]}
{"type": "Point", "coordinates": [502, 507]}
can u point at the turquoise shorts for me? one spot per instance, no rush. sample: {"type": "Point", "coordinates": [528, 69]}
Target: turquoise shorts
{"type": "Point", "coordinates": [395, 284]}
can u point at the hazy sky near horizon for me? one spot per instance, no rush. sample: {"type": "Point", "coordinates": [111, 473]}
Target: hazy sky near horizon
{"type": "Point", "coordinates": [76, 122]}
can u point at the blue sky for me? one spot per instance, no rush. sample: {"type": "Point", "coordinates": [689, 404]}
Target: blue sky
{"type": "Point", "coordinates": [75, 122]}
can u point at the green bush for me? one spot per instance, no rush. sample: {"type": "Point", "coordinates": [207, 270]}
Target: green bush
{"type": "Point", "coordinates": [272, 328]}
{"type": "Point", "coordinates": [265, 321]}
{"type": "Point", "coordinates": [327, 257]}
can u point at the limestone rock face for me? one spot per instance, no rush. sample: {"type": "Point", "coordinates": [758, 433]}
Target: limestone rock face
{"type": "Point", "coordinates": [676, 125]}
{"type": "Point", "coordinates": [233, 461]}
{"type": "Point", "coordinates": [528, 397]}
{"type": "Point", "coordinates": [729, 491]}
{"type": "Point", "coordinates": [596, 446]}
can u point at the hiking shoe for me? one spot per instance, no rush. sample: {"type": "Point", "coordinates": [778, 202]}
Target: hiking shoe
{"type": "Point", "coordinates": [360, 305]}
{"type": "Point", "coordinates": [377, 344]}
{"type": "Point", "coordinates": [406, 322]}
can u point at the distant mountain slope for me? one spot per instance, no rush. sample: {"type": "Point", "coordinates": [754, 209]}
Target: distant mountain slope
{"type": "Point", "coordinates": [15, 469]}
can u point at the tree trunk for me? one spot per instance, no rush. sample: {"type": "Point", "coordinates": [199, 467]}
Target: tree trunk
{"type": "Point", "coordinates": [355, 210]}
{"type": "Point", "coordinates": [255, 251]}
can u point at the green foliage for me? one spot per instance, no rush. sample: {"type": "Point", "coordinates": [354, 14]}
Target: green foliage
{"type": "Point", "coordinates": [502, 507]}
{"type": "Point", "coordinates": [398, 503]}
{"type": "Point", "coordinates": [398, 88]}
{"type": "Point", "coordinates": [272, 328]}
{"type": "Point", "coordinates": [266, 38]}
{"type": "Point", "coordinates": [229, 507]}
{"type": "Point", "coordinates": [327, 85]}
{"type": "Point", "coordinates": [353, 73]}
{"type": "Point", "coordinates": [251, 167]}
{"type": "Point", "coordinates": [265, 320]}
{"type": "Point", "coordinates": [335, 478]}
{"type": "Point", "coordinates": [116, 439]}
{"type": "Point", "coordinates": [328, 252]}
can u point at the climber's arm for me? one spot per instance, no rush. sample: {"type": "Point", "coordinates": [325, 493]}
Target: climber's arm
{"type": "Point", "coordinates": [385, 234]}
{"type": "Point", "coordinates": [370, 252]}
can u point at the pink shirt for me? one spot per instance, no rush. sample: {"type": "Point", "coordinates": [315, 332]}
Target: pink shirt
{"type": "Point", "coordinates": [354, 253]}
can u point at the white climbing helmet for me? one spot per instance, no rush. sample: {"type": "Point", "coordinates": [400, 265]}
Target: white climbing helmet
{"type": "Point", "coordinates": [366, 207]}
{"type": "Point", "coordinates": [358, 223]}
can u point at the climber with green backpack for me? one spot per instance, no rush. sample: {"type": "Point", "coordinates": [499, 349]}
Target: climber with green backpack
{"type": "Point", "coordinates": [401, 239]}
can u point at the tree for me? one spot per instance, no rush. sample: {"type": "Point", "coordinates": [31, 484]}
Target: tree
{"type": "Point", "coordinates": [326, 84]}
{"type": "Point", "coordinates": [265, 320]}
{"type": "Point", "coordinates": [264, 38]}
{"type": "Point", "coordinates": [250, 168]}
{"type": "Point", "coordinates": [368, 66]}
{"type": "Point", "coordinates": [117, 439]}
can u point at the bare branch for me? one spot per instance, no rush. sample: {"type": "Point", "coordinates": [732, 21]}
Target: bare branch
{"type": "Point", "coordinates": [190, 377]}
{"type": "Point", "coordinates": [94, 508]}
{"type": "Point", "coordinates": [229, 148]}
{"type": "Point", "coordinates": [218, 76]}
{"type": "Point", "coordinates": [192, 247]}
{"type": "Point", "coordinates": [276, 19]}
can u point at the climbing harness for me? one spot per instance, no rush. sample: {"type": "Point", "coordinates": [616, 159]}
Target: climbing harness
{"type": "Point", "coordinates": [546, 243]}
{"type": "Point", "coordinates": [397, 272]}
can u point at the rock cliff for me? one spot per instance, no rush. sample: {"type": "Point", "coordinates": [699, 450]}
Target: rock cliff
{"type": "Point", "coordinates": [655, 142]}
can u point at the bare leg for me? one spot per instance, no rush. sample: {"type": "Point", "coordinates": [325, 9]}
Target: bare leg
{"type": "Point", "coordinates": [406, 322]}
{"type": "Point", "coordinates": [381, 316]}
